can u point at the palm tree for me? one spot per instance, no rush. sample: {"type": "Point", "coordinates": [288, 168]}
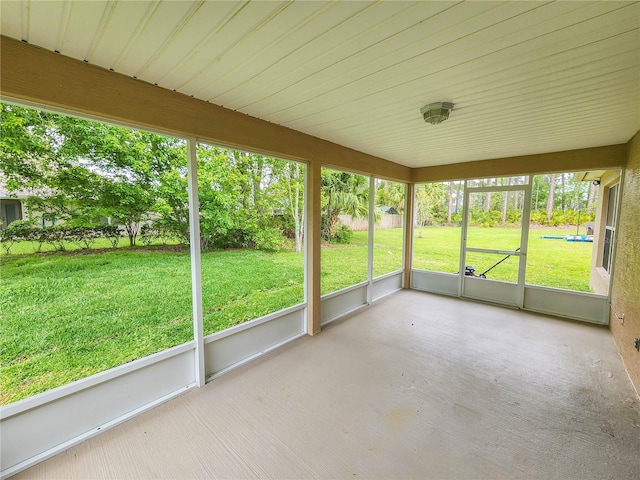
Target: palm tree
{"type": "Point", "coordinates": [342, 193]}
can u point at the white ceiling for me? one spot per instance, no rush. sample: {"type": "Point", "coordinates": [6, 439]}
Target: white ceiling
{"type": "Point", "coordinates": [525, 77]}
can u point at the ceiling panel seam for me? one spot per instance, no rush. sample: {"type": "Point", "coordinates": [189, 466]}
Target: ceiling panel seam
{"type": "Point", "coordinates": [500, 88]}
{"type": "Point", "coordinates": [388, 88]}
{"type": "Point", "coordinates": [104, 23]}
{"type": "Point", "coordinates": [359, 52]}
{"type": "Point", "coordinates": [181, 25]}
{"type": "Point", "coordinates": [254, 28]}
{"type": "Point", "coordinates": [396, 85]}
{"type": "Point", "coordinates": [274, 64]}
{"type": "Point", "coordinates": [212, 33]}
{"type": "Point", "coordinates": [62, 29]}
{"type": "Point", "coordinates": [25, 20]}
{"type": "Point", "coordinates": [137, 31]}
{"type": "Point", "coordinates": [613, 70]}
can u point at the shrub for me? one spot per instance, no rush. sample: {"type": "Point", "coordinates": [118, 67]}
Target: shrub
{"type": "Point", "coordinates": [538, 217]}
{"type": "Point", "coordinates": [514, 216]}
{"type": "Point", "coordinates": [57, 236]}
{"type": "Point", "coordinates": [343, 234]}
{"type": "Point", "coordinates": [111, 233]}
{"type": "Point", "coordinates": [157, 232]}
{"type": "Point", "coordinates": [84, 237]}
{"type": "Point", "coordinates": [270, 239]}
{"type": "Point", "coordinates": [16, 231]}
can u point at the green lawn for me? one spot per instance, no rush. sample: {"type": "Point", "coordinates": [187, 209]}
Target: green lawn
{"type": "Point", "coordinates": [69, 315]}
{"type": "Point", "coordinates": [550, 263]}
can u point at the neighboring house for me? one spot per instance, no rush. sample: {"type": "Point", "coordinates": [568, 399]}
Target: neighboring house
{"type": "Point", "coordinates": [11, 207]}
{"type": "Point", "coordinates": [389, 210]}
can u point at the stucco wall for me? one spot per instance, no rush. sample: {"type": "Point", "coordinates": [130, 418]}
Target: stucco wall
{"type": "Point", "coordinates": [599, 278]}
{"type": "Point", "coordinates": [625, 294]}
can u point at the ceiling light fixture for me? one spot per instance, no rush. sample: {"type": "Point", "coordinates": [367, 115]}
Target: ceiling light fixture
{"type": "Point", "coordinates": [435, 113]}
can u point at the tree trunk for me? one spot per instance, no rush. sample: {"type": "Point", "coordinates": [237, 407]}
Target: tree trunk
{"type": "Point", "coordinates": [562, 190]}
{"type": "Point", "coordinates": [487, 200]}
{"type": "Point", "coordinates": [132, 232]}
{"type": "Point", "coordinates": [592, 197]}
{"type": "Point", "coordinates": [552, 187]}
{"type": "Point", "coordinates": [257, 189]}
{"type": "Point", "coordinates": [296, 207]}
{"type": "Point", "coordinates": [332, 223]}
{"type": "Point", "coordinates": [450, 203]}
{"type": "Point", "coordinates": [505, 203]}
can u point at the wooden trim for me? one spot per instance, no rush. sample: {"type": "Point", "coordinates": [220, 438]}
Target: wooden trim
{"type": "Point", "coordinates": [601, 158]}
{"type": "Point", "coordinates": [34, 75]}
{"type": "Point", "coordinates": [314, 242]}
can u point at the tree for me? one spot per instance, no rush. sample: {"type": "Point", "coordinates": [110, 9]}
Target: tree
{"type": "Point", "coordinates": [342, 193]}
{"type": "Point", "coordinates": [430, 198]}
{"type": "Point", "coordinates": [84, 172]}
{"type": "Point", "coordinates": [487, 202]}
{"type": "Point", "coordinates": [450, 203]}
{"type": "Point", "coordinates": [550, 197]}
{"type": "Point", "coordinates": [591, 200]}
{"type": "Point", "coordinates": [293, 182]}
{"type": "Point", "coordinates": [391, 194]}
{"type": "Point", "coordinates": [505, 205]}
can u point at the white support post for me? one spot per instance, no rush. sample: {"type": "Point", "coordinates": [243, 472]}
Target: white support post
{"type": "Point", "coordinates": [372, 225]}
{"type": "Point", "coordinates": [196, 269]}
{"type": "Point", "coordinates": [463, 238]}
{"type": "Point", "coordinates": [407, 235]}
{"type": "Point", "coordinates": [524, 241]}
{"type": "Point", "coordinates": [305, 245]}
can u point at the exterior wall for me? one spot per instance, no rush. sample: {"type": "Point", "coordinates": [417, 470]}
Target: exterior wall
{"type": "Point", "coordinates": [599, 278]}
{"type": "Point", "coordinates": [625, 294]}
{"type": "Point", "coordinates": [17, 210]}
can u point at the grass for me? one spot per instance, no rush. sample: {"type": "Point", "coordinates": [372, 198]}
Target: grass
{"type": "Point", "coordinates": [550, 263]}
{"type": "Point", "coordinates": [66, 316]}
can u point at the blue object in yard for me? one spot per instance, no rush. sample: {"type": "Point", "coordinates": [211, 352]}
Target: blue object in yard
{"type": "Point", "coordinates": [555, 237]}
{"type": "Point", "coordinates": [579, 238]}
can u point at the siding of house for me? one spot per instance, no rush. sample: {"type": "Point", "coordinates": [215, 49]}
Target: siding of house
{"type": "Point", "coordinates": [625, 295]}
{"type": "Point", "coordinates": [10, 210]}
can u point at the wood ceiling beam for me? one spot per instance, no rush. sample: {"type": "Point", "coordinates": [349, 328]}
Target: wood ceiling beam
{"type": "Point", "coordinates": [37, 76]}
{"type": "Point", "coordinates": [600, 158]}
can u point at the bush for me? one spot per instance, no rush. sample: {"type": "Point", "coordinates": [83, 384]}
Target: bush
{"type": "Point", "coordinates": [16, 231]}
{"type": "Point", "coordinates": [157, 231]}
{"type": "Point", "coordinates": [111, 233]}
{"type": "Point", "coordinates": [514, 217]}
{"type": "Point", "coordinates": [269, 239]}
{"type": "Point", "coordinates": [84, 237]}
{"type": "Point", "coordinates": [342, 235]}
{"type": "Point", "coordinates": [57, 236]}
{"type": "Point", "coordinates": [539, 217]}
{"type": "Point", "coordinates": [483, 218]}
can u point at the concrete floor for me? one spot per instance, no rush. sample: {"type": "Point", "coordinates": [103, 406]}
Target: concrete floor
{"type": "Point", "coordinates": [417, 386]}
